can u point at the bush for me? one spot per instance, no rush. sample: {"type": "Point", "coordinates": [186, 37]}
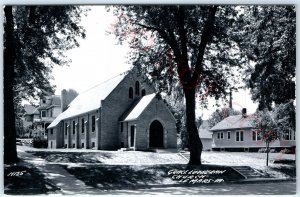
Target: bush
{"type": "Point", "coordinates": [39, 143]}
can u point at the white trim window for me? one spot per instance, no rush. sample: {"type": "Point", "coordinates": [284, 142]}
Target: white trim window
{"type": "Point", "coordinates": [256, 136]}
{"type": "Point", "coordinates": [290, 135]}
{"type": "Point", "coordinates": [228, 135]}
{"type": "Point", "coordinates": [43, 113]}
{"type": "Point", "coordinates": [220, 135]}
{"type": "Point", "coordinates": [239, 136]}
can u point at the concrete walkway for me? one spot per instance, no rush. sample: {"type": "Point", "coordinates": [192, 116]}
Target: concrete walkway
{"type": "Point", "coordinates": [67, 183]}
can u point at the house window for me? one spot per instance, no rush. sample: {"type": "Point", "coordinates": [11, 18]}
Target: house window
{"type": "Point", "coordinates": [82, 125]}
{"type": "Point", "coordinates": [51, 112]}
{"type": "Point", "coordinates": [93, 123]}
{"type": "Point", "coordinates": [218, 135]}
{"type": "Point", "coordinates": [131, 92]}
{"type": "Point", "coordinates": [51, 131]}
{"type": "Point", "coordinates": [43, 101]}
{"type": "Point", "coordinates": [256, 136]}
{"type": "Point", "coordinates": [253, 135]}
{"type": "Point", "coordinates": [143, 92]}
{"type": "Point", "coordinates": [294, 135]}
{"type": "Point", "coordinates": [121, 127]}
{"type": "Point", "coordinates": [228, 135]}
{"type": "Point", "coordinates": [137, 88]}
{"type": "Point", "coordinates": [44, 113]}
{"type": "Point", "coordinates": [239, 136]}
{"type": "Point", "coordinates": [73, 127]}
{"type": "Point", "coordinates": [222, 137]}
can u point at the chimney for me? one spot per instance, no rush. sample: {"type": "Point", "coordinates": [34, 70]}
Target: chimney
{"type": "Point", "coordinates": [230, 99]}
{"type": "Point", "coordinates": [244, 112]}
{"type": "Point", "coordinates": [64, 104]}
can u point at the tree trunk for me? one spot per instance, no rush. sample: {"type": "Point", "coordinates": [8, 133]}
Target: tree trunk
{"type": "Point", "coordinates": [268, 144]}
{"type": "Point", "coordinates": [195, 144]}
{"type": "Point", "coordinates": [10, 150]}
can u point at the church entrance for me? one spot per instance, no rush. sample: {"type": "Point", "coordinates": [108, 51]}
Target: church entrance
{"type": "Point", "coordinates": [156, 135]}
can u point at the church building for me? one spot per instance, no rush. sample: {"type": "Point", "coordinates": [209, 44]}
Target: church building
{"type": "Point", "coordinates": [123, 112]}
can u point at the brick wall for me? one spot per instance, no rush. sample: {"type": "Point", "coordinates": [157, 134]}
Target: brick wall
{"type": "Point", "coordinates": [114, 106]}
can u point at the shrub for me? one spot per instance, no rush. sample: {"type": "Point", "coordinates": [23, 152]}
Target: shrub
{"type": "Point", "coordinates": [39, 143]}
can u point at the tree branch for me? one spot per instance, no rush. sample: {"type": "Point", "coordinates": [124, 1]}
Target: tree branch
{"type": "Point", "coordinates": [205, 38]}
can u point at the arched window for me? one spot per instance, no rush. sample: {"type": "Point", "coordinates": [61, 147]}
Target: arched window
{"type": "Point", "coordinates": [137, 88]}
{"type": "Point", "coordinates": [143, 92]}
{"type": "Point", "coordinates": [131, 92]}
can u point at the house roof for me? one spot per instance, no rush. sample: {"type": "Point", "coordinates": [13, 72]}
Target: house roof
{"type": "Point", "coordinates": [56, 100]}
{"type": "Point", "coordinates": [234, 122]}
{"type": "Point", "coordinates": [29, 109]}
{"type": "Point", "coordinates": [89, 100]}
{"type": "Point", "coordinates": [204, 130]}
{"type": "Point", "coordinates": [140, 107]}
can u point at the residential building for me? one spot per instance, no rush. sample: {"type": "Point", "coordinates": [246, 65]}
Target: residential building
{"type": "Point", "coordinates": [238, 133]}
{"type": "Point", "coordinates": [205, 135]}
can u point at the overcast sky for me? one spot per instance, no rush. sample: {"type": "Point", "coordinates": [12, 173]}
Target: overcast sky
{"type": "Point", "coordinates": [99, 58]}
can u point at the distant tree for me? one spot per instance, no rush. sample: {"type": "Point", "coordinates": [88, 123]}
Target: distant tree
{"type": "Point", "coordinates": [190, 47]}
{"type": "Point", "coordinates": [35, 39]}
{"type": "Point", "coordinates": [67, 97]}
{"type": "Point", "coordinates": [266, 125]}
{"type": "Point", "coordinates": [275, 124]}
{"type": "Point", "coordinates": [220, 114]}
{"type": "Point", "coordinates": [199, 121]}
{"type": "Point", "coordinates": [269, 44]}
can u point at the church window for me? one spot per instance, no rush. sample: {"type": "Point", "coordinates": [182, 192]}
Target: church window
{"type": "Point", "coordinates": [137, 88]}
{"type": "Point", "coordinates": [143, 92]}
{"type": "Point", "coordinates": [131, 92]}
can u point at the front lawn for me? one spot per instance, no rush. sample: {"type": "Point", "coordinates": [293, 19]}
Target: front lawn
{"type": "Point", "coordinates": [120, 176]}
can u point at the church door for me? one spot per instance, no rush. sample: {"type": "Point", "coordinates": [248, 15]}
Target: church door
{"type": "Point", "coordinates": [156, 135]}
{"type": "Point", "coordinates": [132, 128]}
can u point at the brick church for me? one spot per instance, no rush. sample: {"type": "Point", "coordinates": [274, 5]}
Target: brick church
{"type": "Point", "coordinates": [123, 112]}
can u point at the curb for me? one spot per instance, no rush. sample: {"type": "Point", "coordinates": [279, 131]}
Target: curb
{"type": "Point", "coordinates": [264, 180]}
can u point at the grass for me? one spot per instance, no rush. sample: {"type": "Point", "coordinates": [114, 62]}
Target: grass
{"type": "Point", "coordinates": [23, 178]}
{"type": "Point", "coordinates": [120, 176]}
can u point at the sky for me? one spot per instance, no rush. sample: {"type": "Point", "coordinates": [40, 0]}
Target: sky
{"type": "Point", "coordinates": [99, 58]}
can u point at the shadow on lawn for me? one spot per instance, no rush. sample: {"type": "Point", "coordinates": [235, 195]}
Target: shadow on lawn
{"type": "Point", "coordinates": [117, 176]}
{"type": "Point", "coordinates": [71, 157]}
{"type": "Point", "coordinates": [24, 178]}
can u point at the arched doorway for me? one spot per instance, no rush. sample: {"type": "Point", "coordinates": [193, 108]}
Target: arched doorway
{"type": "Point", "coordinates": [156, 135]}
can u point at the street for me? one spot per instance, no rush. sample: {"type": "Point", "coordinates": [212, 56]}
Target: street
{"type": "Point", "coordinates": [221, 189]}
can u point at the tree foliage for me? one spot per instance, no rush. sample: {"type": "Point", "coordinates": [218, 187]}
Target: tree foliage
{"type": "Point", "coordinates": [192, 47]}
{"type": "Point", "coordinates": [42, 34]}
{"type": "Point", "coordinates": [269, 42]}
{"type": "Point", "coordinates": [220, 114]}
{"type": "Point", "coordinates": [35, 39]}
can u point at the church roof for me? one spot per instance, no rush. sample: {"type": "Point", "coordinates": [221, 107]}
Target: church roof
{"type": "Point", "coordinates": [234, 122]}
{"type": "Point", "coordinates": [56, 100]}
{"type": "Point", "coordinates": [89, 100]}
{"type": "Point", "coordinates": [140, 107]}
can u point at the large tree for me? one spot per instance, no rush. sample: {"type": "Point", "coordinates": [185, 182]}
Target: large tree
{"type": "Point", "coordinates": [35, 39]}
{"type": "Point", "coordinates": [269, 43]}
{"type": "Point", "coordinates": [190, 45]}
